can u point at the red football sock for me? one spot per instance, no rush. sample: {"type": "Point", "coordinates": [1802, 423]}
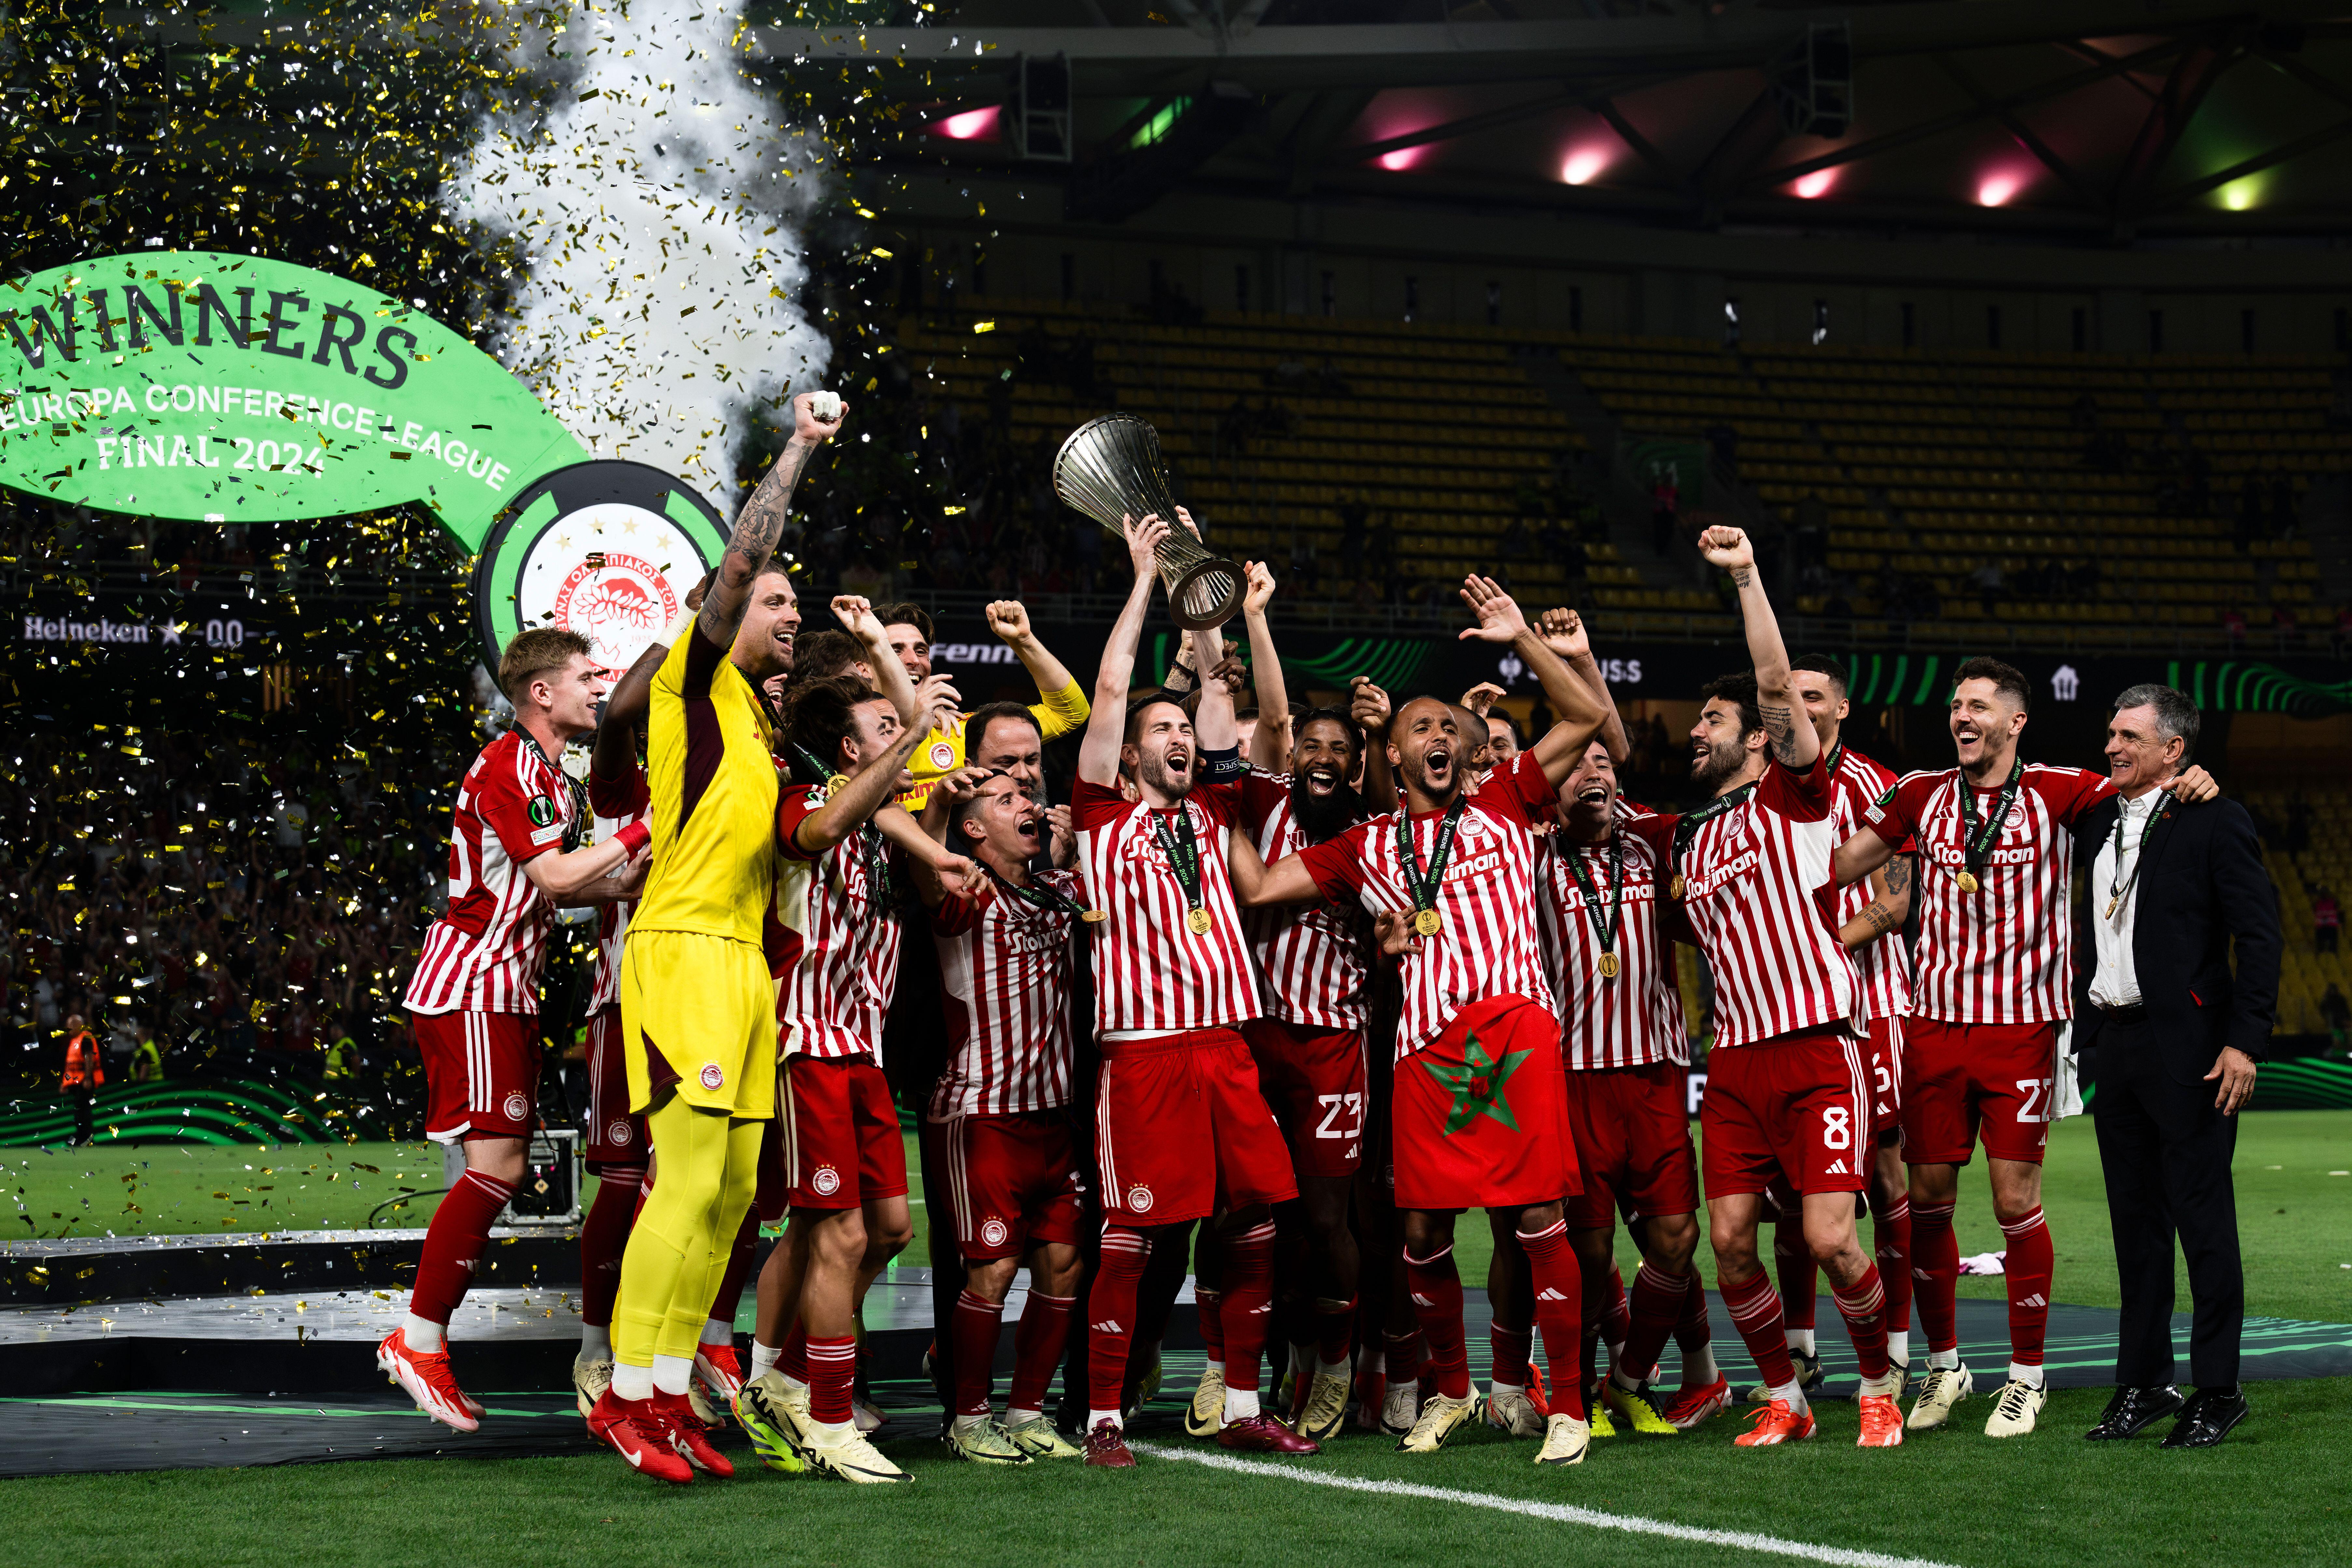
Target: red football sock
{"type": "Point", "coordinates": [1862, 1305]}
{"type": "Point", "coordinates": [454, 1242]}
{"type": "Point", "coordinates": [1110, 1313]}
{"type": "Point", "coordinates": [1247, 1306]}
{"type": "Point", "coordinates": [2028, 1268]}
{"type": "Point", "coordinates": [791, 1356]}
{"type": "Point", "coordinates": [1509, 1348]}
{"type": "Point", "coordinates": [1559, 1294]}
{"type": "Point", "coordinates": [1593, 1310]}
{"type": "Point", "coordinates": [1657, 1299]}
{"type": "Point", "coordinates": [1936, 1271]}
{"type": "Point", "coordinates": [1693, 1331]}
{"type": "Point", "coordinates": [739, 1269]}
{"type": "Point", "coordinates": [974, 1328]}
{"type": "Point", "coordinates": [1792, 1261]}
{"type": "Point", "coordinates": [1438, 1303]}
{"type": "Point", "coordinates": [833, 1367]}
{"type": "Point", "coordinates": [1890, 1234]}
{"type": "Point", "coordinates": [1211, 1305]}
{"type": "Point", "coordinates": [603, 1236]}
{"type": "Point", "coordinates": [1401, 1357]}
{"type": "Point", "coordinates": [1755, 1309]}
{"type": "Point", "coordinates": [1617, 1319]}
{"type": "Point", "coordinates": [1037, 1344]}
{"type": "Point", "coordinates": [1335, 1330]}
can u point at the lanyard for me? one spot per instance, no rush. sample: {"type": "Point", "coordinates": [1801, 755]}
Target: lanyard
{"type": "Point", "coordinates": [573, 788]}
{"type": "Point", "coordinates": [1976, 839]}
{"type": "Point", "coordinates": [2118, 891]}
{"type": "Point", "coordinates": [1037, 895]}
{"type": "Point", "coordinates": [1426, 920]}
{"type": "Point", "coordinates": [1183, 852]}
{"type": "Point", "coordinates": [876, 852]}
{"type": "Point", "coordinates": [1604, 930]}
{"type": "Point", "coordinates": [1687, 829]}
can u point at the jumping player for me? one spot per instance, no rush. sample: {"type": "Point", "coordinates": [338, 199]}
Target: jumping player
{"type": "Point", "coordinates": [1995, 980]}
{"type": "Point", "coordinates": [515, 856]}
{"type": "Point", "coordinates": [1001, 1110]}
{"type": "Point", "coordinates": [1786, 1096]}
{"type": "Point", "coordinates": [1183, 1132]}
{"type": "Point", "coordinates": [1478, 1115]}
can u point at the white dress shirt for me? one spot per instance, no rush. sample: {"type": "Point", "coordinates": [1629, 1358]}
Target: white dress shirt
{"type": "Point", "coordinates": [2116, 982]}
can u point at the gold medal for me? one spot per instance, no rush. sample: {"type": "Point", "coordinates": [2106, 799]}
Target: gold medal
{"type": "Point", "coordinates": [1608, 966]}
{"type": "Point", "coordinates": [1675, 888]}
{"type": "Point", "coordinates": [2111, 906]}
{"type": "Point", "coordinates": [1200, 920]}
{"type": "Point", "coordinates": [1968, 881]}
{"type": "Point", "coordinates": [1094, 917]}
{"type": "Point", "coordinates": [1427, 923]}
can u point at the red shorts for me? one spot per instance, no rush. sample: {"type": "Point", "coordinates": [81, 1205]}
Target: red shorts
{"type": "Point", "coordinates": [1313, 1080]}
{"type": "Point", "coordinates": [1481, 1115]}
{"type": "Point", "coordinates": [616, 1135]}
{"type": "Point", "coordinates": [1793, 1106]}
{"type": "Point", "coordinates": [839, 1146]}
{"type": "Point", "coordinates": [1183, 1132]}
{"type": "Point", "coordinates": [1632, 1145]}
{"type": "Point", "coordinates": [1960, 1077]}
{"type": "Point", "coordinates": [1882, 1060]}
{"type": "Point", "coordinates": [482, 1074]}
{"type": "Point", "coordinates": [1012, 1181]}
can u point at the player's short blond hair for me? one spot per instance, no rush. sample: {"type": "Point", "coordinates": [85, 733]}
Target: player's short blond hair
{"type": "Point", "coordinates": [532, 654]}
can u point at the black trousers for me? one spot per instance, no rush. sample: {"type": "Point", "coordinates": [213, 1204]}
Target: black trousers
{"type": "Point", "coordinates": [2166, 1154]}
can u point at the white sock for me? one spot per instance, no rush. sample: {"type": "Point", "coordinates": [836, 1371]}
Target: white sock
{"type": "Point", "coordinates": [423, 1336]}
{"type": "Point", "coordinates": [1698, 1366]}
{"type": "Point", "coordinates": [1794, 1395]}
{"type": "Point", "coordinates": [632, 1381]}
{"type": "Point", "coordinates": [764, 1358]}
{"type": "Point", "coordinates": [826, 1435]}
{"type": "Point", "coordinates": [2028, 1375]}
{"type": "Point", "coordinates": [1892, 1382]}
{"type": "Point", "coordinates": [1097, 1417]}
{"type": "Point", "coordinates": [1496, 1390]}
{"type": "Point", "coordinates": [789, 1382]}
{"type": "Point", "coordinates": [1801, 1341]}
{"type": "Point", "coordinates": [1219, 1368]}
{"type": "Point", "coordinates": [715, 1333]}
{"type": "Point", "coordinates": [1331, 1368]}
{"type": "Point", "coordinates": [596, 1343]}
{"type": "Point", "coordinates": [966, 1424]}
{"type": "Point", "coordinates": [1016, 1416]}
{"type": "Point", "coordinates": [1898, 1346]}
{"type": "Point", "coordinates": [1240, 1405]}
{"type": "Point", "coordinates": [672, 1373]}
{"type": "Point", "coordinates": [1377, 1361]}
{"type": "Point", "coordinates": [1623, 1380]}
{"type": "Point", "coordinates": [1944, 1361]}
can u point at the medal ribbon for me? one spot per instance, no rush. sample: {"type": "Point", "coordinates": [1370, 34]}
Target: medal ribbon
{"type": "Point", "coordinates": [1976, 840]}
{"type": "Point", "coordinates": [1037, 895]}
{"type": "Point", "coordinates": [2116, 890]}
{"type": "Point", "coordinates": [1687, 829]}
{"type": "Point", "coordinates": [582, 814]}
{"type": "Point", "coordinates": [1604, 930]}
{"type": "Point", "coordinates": [1183, 852]}
{"type": "Point", "coordinates": [1425, 889]}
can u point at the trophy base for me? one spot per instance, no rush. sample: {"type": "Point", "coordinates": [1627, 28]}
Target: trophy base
{"type": "Point", "coordinates": [1205, 595]}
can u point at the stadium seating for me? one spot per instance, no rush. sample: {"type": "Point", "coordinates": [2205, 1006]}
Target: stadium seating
{"type": "Point", "coordinates": [2324, 862]}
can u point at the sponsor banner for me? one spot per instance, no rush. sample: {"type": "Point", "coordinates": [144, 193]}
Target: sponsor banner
{"type": "Point", "coordinates": [111, 624]}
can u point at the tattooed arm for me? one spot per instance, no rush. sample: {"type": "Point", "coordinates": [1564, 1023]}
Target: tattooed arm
{"type": "Point", "coordinates": [1789, 733]}
{"type": "Point", "coordinates": [761, 523]}
{"type": "Point", "coordinates": [1888, 911]}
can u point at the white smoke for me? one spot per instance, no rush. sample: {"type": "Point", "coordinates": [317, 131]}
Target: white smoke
{"type": "Point", "coordinates": [655, 199]}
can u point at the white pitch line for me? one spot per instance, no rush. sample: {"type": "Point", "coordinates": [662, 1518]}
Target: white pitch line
{"type": "Point", "coordinates": [1564, 1514]}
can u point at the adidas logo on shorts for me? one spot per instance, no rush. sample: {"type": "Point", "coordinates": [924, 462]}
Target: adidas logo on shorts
{"type": "Point", "coordinates": [1837, 1168]}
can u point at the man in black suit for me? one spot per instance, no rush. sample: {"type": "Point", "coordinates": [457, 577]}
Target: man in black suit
{"type": "Point", "coordinates": [2175, 1036]}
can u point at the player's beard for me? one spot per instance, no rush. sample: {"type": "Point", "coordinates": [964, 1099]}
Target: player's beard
{"type": "Point", "coordinates": [1716, 768]}
{"type": "Point", "coordinates": [1322, 817]}
{"type": "Point", "coordinates": [1153, 772]}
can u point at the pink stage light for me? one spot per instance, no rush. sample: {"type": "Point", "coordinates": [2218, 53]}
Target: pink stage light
{"type": "Point", "coordinates": [1996, 189]}
{"type": "Point", "coordinates": [1816, 183]}
{"type": "Point", "coordinates": [971, 125]}
{"type": "Point", "coordinates": [1584, 166]}
{"type": "Point", "coordinates": [1402, 158]}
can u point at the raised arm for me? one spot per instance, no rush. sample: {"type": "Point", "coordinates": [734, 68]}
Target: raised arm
{"type": "Point", "coordinates": [1106, 726]}
{"type": "Point", "coordinates": [891, 681]}
{"type": "Point", "coordinates": [1790, 733]}
{"type": "Point", "coordinates": [875, 784]}
{"type": "Point", "coordinates": [1062, 709]}
{"type": "Point", "coordinates": [1563, 631]}
{"type": "Point", "coordinates": [1370, 708]}
{"type": "Point", "coordinates": [1257, 884]}
{"type": "Point", "coordinates": [1270, 744]}
{"type": "Point", "coordinates": [936, 867]}
{"type": "Point", "coordinates": [816, 415]}
{"type": "Point", "coordinates": [1559, 749]}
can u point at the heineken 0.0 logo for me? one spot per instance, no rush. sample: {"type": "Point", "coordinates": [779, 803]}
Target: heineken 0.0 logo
{"type": "Point", "coordinates": [606, 549]}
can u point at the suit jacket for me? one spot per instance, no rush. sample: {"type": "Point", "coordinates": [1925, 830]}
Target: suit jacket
{"type": "Point", "coordinates": [2202, 883]}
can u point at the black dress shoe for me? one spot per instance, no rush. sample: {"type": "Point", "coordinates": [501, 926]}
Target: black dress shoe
{"type": "Point", "coordinates": [2133, 1411]}
{"type": "Point", "coordinates": [2207, 1418]}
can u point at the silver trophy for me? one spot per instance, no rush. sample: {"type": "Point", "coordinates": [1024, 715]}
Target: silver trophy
{"type": "Point", "coordinates": [1110, 467]}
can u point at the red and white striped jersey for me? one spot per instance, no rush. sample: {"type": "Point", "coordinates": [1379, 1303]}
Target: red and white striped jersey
{"type": "Point", "coordinates": [1153, 973]}
{"type": "Point", "coordinates": [486, 953]}
{"type": "Point", "coordinates": [1758, 895]}
{"type": "Point", "coordinates": [1884, 965]}
{"type": "Point", "coordinates": [1310, 957]}
{"type": "Point", "coordinates": [616, 803]}
{"type": "Point", "coordinates": [2004, 954]}
{"type": "Point", "coordinates": [835, 940]}
{"type": "Point", "coordinates": [1005, 977]}
{"type": "Point", "coordinates": [1487, 946]}
{"type": "Point", "coordinates": [1635, 1018]}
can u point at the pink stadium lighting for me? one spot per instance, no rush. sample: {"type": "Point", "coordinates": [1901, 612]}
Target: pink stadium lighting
{"type": "Point", "coordinates": [1402, 158]}
{"type": "Point", "coordinates": [1584, 166]}
{"type": "Point", "coordinates": [1816, 183]}
{"type": "Point", "coordinates": [971, 125]}
{"type": "Point", "coordinates": [1996, 189]}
